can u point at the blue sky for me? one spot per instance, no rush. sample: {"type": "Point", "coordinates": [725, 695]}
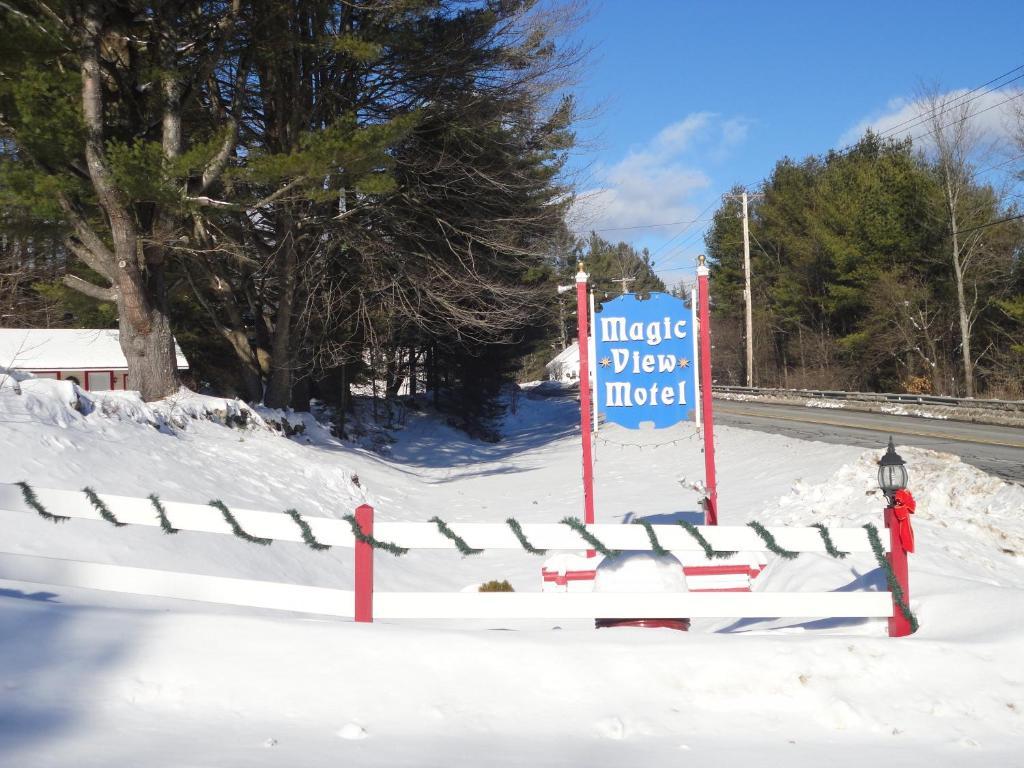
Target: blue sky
{"type": "Point", "coordinates": [693, 97]}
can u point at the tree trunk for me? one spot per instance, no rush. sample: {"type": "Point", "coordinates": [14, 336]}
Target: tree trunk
{"type": "Point", "coordinates": [278, 393]}
{"type": "Point", "coordinates": [152, 363]}
{"type": "Point", "coordinates": [961, 305]}
{"type": "Point", "coordinates": [412, 371]}
{"type": "Point", "coordinates": [938, 383]}
{"type": "Point", "coordinates": [432, 379]}
{"type": "Point", "coordinates": [301, 394]}
{"type": "Point", "coordinates": [248, 365]}
{"type": "Point", "coordinates": [141, 295]}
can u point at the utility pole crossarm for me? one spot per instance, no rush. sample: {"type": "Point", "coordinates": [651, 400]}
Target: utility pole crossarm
{"type": "Point", "coordinates": [625, 283]}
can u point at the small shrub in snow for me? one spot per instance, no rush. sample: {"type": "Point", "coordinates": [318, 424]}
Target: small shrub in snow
{"type": "Point", "coordinates": [496, 586]}
{"type": "Point", "coordinates": [285, 427]}
{"type": "Point", "coordinates": [236, 418]}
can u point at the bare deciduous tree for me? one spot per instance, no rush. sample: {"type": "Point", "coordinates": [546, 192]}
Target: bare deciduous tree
{"type": "Point", "coordinates": [956, 145]}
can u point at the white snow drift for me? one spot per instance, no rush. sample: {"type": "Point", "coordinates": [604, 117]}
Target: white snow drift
{"type": "Point", "coordinates": [91, 679]}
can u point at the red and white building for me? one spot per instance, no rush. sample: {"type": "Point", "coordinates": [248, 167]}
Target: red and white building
{"type": "Point", "coordinates": [568, 572]}
{"type": "Point", "coordinates": [91, 357]}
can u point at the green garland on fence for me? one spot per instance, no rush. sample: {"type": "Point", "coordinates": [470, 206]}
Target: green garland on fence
{"type": "Point", "coordinates": [448, 533]}
{"type": "Point", "coordinates": [517, 529]}
{"type": "Point", "coordinates": [709, 553]}
{"type": "Point", "coordinates": [235, 527]}
{"type": "Point", "coordinates": [165, 524]}
{"type": "Point", "coordinates": [102, 508]}
{"type": "Point", "coordinates": [656, 547]}
{"type": "Point", "coordinates": [587, 536]}
{"type": "Point", "coordinates": [307, 533]}
{"type": "Point", "coordinates": [898, 596]}
{"type": "Point", "coordinates": [387, 546]}
{"type": "Point", "coordinates": [770, 542]}
{"type": "Point", "coordinates": [33, 501]}
{"type": "Point", "coordinates": [827, 539]}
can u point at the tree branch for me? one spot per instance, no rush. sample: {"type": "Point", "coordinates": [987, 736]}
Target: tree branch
{"type": "Point", "coordinates": [279, 193]}
{"type": "Point", "coordinates": [87, 288]}
{"type": "Point", "coordinates": [29, 20]}
{"type": "Point", "coordinates": [51, 14]}
{"type": "Point", "coordinates": [203, 201]}
{"type": "Point", "coordinates": [213, 170]}
{"type": "Point", "coordinates": [93, 251]}
{"type": "Point", "coordinates": [84, 254]}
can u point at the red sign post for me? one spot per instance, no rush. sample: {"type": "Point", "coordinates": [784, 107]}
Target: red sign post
{"type": "Point", "coordinates": [901, 541]}
{"type": "Point", "coordinates": [704, 318]}
{"type": "Point", "coordinates": [583, 334]}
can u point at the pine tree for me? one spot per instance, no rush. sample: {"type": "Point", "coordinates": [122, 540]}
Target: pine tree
{"type": "Point", "coordinates": [96, 99]}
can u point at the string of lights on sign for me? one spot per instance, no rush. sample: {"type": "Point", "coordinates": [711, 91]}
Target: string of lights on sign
{"type": "Point", "coordinates": [601, 439]}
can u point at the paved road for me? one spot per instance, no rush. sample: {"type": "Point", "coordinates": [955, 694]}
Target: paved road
{"type": "Point", "coordinates": [997, 450]}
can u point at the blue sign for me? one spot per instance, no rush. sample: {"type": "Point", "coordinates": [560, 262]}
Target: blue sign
{"type": "Point", "coordinates": [645, 353]}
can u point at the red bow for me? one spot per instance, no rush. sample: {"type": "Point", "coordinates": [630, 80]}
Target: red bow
{"type": "Point", "coordinates": [903, 506]}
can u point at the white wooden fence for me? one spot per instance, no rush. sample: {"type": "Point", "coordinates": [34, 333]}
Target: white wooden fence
{"type": "Point", "coordinates": [364, 603]}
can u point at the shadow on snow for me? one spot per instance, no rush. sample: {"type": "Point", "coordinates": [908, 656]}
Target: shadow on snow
{"type": "Point", "coordinates": [871, 581]}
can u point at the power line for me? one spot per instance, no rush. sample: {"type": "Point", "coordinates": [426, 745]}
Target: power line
{"type": "Point", "coordinates": [990, 224]}
{"type": "Point", "coordinates": [997, 165]}
{"type": "Point", "coordinates": [953, 104]}
{"type": "Point", "coordinates": [651, 226]}
{"type": "Point", "coordinates": [935, 131]}
{"type": "Point", "coordinates": [679, 248]}
{"type": "Point", "coordinates": [957, 102]}
{"type": "Point", "coordinates": [921, 119]}
{"type": "Point", "coordinates": [973, 90]}
{"type": "Point", "coordinates": [683, 231]}
{"type": "Point", "coordinates": [907, 125]}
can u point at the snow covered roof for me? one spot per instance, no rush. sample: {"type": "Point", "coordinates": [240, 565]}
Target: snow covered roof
{"type": "Point", "coordinates": [565, 366]}
{"type": "Point", "coordinates": [67, 349]}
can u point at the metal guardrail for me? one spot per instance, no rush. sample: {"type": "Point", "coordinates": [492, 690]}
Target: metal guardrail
{"type": "Point", "coordinates": [878, 397]}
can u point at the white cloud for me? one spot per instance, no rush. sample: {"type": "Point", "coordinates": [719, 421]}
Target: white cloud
{"type": "Point", "coordinates": [655, 183]}
{"type": "Point", "coordinates": [679, 136]}
{"type": "Point", "coordinates": [993, 116]}
{"type": "Point", "coordinates": [734, 131]}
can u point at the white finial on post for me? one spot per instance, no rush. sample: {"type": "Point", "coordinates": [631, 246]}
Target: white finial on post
{"type": "Point", "coordinates": [702, 268]}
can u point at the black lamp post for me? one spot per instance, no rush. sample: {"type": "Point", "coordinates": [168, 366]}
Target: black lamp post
{"type": "Point", "coordinates": [892, 471]}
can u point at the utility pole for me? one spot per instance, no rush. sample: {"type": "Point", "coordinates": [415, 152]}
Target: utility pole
{"type": "Point", "coordinates": [747, 295]}
{"type": "Point", "coordinates": [562, 335]}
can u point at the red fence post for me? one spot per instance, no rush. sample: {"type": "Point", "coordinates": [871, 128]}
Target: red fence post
{"type": "Point", "coordinates": [364, 566]}
{"type": "Point", "coordinates": [899, 625]}
{"type": "Point", "coordinates": [704, 318]}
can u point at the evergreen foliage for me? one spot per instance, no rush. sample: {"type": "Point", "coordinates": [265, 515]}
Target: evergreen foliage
{"type": "Point", "coordinates": [310, 195]}
{"type": "Point", "coordinates": [612, 268]}
{"type": "Point", "coordinates": [851, 280]}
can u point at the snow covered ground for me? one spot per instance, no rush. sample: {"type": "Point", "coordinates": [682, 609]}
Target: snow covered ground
{"type": "Point", "coordinates": [93, 679]}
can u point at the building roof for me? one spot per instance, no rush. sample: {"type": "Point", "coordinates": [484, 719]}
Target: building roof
{"type": "Point", "coordinates": [66, 349]}
{"type": "Point", "coordinates": [565, 366]}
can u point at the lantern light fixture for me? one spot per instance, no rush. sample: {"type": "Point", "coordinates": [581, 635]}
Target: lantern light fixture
{"type": "Point", "coordinates": [892, 471]}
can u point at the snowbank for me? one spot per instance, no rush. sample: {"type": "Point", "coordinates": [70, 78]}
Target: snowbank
{"type": "Point", "coordinates": [90, 679]}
